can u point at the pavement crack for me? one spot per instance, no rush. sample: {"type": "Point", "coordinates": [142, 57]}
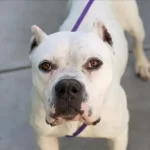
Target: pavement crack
{"type": "Point", "coordinates": [9, 70]}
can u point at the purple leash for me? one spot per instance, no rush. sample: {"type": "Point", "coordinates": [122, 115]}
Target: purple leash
{"type": "Point", "coordinates": [81, 17]}
{"type": "Point", "coordinates": [80, 129]}
{"type": "Point", "coordinates": [76, 26]}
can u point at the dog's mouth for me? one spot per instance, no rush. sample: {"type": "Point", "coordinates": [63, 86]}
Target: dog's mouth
{"type": "Point", "coordinates": [80, 116]}
{"type": "Point", "coordinates": [74, 116]}
{"type": "Point", "coordinates": [60, 120]}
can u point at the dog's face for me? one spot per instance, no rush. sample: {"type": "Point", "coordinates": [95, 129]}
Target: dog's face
{"type": "Point", "coordinates": [72, 73]}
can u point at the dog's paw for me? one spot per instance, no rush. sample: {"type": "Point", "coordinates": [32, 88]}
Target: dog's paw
{"type": "Point", "coordinates": [143, 69]}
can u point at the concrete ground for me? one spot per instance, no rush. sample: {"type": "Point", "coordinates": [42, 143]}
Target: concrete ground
{"type": "Point", "coordinates": [16, 17]}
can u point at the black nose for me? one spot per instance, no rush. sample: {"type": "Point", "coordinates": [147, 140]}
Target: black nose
{"type": "Point", "coordinates": [68, 87]}
{"type": "Point", "coordinates": [69, 94]}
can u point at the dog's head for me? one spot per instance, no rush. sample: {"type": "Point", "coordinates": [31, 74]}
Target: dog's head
{"type": "Point", "coordinates": [72, 73]}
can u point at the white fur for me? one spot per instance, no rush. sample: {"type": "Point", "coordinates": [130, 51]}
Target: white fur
{"type": "Point", "coordinates": [70, 51]}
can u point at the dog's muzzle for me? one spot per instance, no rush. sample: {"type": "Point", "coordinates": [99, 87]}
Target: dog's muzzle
{"type": "Point", "coordinates": [69, 96]}
{"type": "Point", "coordinates": [70, 104]}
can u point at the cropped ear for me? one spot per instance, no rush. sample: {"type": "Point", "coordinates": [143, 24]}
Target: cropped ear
{"type": "Point", "coordinates": [100, 29]}
{"type": "Point", "coordinates": [37, 38]}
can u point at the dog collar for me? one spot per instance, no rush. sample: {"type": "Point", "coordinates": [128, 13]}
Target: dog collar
{"type": "Point", "coordinates": [75, 27]}
{"type": "Point", "coordinates": [80, 129]}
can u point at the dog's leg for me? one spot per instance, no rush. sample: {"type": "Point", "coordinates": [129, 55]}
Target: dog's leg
{"type": "Point", "coordinates": [142, 65]}
{"type": "Point", "coordinates": [120, 142]}
{"type": "Point", "coordinates": [47, 143]}
{"type": "Point", "coordinates": [132, 23]}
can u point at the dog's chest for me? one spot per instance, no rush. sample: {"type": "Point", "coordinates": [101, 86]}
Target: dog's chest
{"type": "Point", "coordinates": [101, 130]}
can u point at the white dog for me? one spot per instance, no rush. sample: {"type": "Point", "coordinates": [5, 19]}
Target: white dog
{"type": "Point", "coordinates": [76, 75]}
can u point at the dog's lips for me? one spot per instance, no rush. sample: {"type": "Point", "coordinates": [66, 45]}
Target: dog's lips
{"type": "Point", "coordinates": [76, 118]}
{"type": "Point", "coordinates": [61, 119]}
{"type": "Point", "coordinates": [84, 116]}
{"type": "Point", "coordinates": [80, 118]}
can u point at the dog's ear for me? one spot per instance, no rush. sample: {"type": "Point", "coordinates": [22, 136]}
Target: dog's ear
{"type": "Point", "coordinates": [37, 38]}
{"type": "Point", "coordinates": [100, 29]}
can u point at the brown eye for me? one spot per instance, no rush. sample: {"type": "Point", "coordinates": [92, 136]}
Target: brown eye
{"type": "Point", "coordinates": [94, 64]}
{"type": "Point", "coordinates": [45, 66]}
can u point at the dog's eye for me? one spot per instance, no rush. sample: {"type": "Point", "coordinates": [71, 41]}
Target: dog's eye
{"type": "Point", "coordinates": [45, 66]}
{"type": "Point", "coordinates": [94, 64]}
